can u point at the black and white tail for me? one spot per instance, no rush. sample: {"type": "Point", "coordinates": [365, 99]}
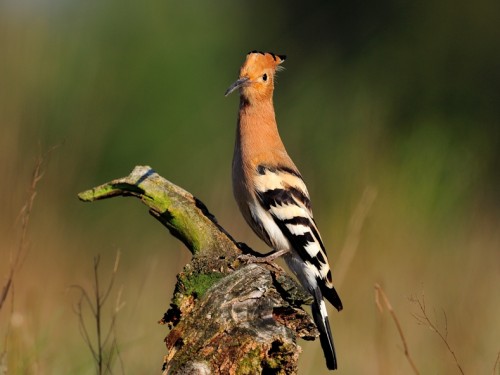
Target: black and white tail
{"type": "Point", "coordinates": [320, 317]}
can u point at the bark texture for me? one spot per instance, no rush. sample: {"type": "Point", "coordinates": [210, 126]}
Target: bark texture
{"type": "Point", "coordinates": [227, 315]}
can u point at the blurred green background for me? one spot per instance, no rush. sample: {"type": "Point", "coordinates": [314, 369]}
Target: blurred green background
{"type": "Point", "coordinates": [401, 98]}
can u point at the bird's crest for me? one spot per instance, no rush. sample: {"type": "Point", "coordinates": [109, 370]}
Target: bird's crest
{"type": "Point", "coordinates": [257, 61]}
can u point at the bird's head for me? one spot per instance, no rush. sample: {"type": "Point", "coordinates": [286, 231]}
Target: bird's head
{"type": "Point", "coordinates": [257, 73]}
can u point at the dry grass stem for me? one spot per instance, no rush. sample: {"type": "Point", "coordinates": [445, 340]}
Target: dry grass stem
{"type": "Point", "coordinates": [354, 234]}
{"type": "Point", "coordinates": [381, 300]}
{"type": "Point", "coordinates": [495, 366]}
{"type": "Point", "coordinates": [424, 319]}
{"type": "Point", "coordinates": [18, 255]}
{"type": "Point", "coordinates": [105, 348]}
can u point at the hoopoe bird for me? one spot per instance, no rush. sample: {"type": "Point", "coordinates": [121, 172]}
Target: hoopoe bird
{"type": "Point", "coordinates": [271, 194]}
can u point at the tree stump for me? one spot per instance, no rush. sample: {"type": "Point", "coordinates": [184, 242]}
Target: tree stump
{"type": "Point", "coordinates": [228, 314]}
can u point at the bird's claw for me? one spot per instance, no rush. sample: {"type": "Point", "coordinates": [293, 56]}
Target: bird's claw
{"type": "Point", "coordinates": [268, 258]}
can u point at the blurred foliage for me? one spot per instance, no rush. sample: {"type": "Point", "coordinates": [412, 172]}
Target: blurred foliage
{"type": "Point", "coordinates": [402, 96]}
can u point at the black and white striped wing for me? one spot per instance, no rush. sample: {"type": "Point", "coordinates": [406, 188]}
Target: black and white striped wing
{"type": "Point", "coordinates": [283, 196]}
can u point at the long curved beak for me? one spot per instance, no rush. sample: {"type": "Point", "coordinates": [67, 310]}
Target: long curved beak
{"type": "Point", "coordinates": [239, 83]}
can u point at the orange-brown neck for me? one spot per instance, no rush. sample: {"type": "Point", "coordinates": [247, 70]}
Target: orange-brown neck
{"type": "Point", "coordinates": [257, 137]}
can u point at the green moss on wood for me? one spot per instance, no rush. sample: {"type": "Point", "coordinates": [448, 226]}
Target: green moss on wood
{"type": "Point", "coordinates": [278, 359]}
{"type": "Point", "coordinates": [250, 362]}
{"type": "Point", "coordinates": [198, 284]}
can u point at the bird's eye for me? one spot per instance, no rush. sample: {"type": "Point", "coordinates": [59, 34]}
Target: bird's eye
{"type": "Point", "coordinates": [264, 77]}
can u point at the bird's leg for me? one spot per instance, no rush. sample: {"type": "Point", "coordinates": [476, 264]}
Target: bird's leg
{"type": "Point", "coordinates": [266, 258]}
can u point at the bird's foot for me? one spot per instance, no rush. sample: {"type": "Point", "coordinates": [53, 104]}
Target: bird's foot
{"type": "Point", "coordinates": [267, 258]}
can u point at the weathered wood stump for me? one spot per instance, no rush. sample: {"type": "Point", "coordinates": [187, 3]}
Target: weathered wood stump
{"type": "Point", "coordinates": [227, 315]}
